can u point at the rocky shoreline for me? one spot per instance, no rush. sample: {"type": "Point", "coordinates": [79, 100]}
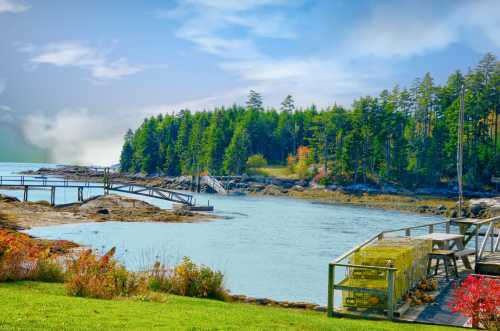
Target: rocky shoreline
{"type": "Point", "coordinates": [18, 215]}
{"type": "Point", "coordinates": [433, 201]}
{"type": "Point", "coordinates": [274, 303]}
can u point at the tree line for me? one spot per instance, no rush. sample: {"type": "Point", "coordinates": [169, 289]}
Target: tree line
{"type": "Point", "coordinates": [405, 136]}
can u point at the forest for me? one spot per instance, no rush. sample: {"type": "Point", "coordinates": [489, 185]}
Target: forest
{"type": "Point", "coordinates": [404, 136]}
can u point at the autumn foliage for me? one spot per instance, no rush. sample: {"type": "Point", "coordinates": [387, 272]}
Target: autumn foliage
{"type": "Point", "coordinates": [478, 298]}
{"type": "Point", "coordinates": [188, 279]}
{"type": "Point", "coordinates": [25, 258]}
{"type": "Point", "coordinates": [90, 275]}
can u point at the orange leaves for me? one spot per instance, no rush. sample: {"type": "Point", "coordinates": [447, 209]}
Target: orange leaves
{"type": "Point", "coordinates": [303, 153]}
{"type": "Point", "coordinates": [89, 275]}
{"type": "Point", "coordinates": [23, 257]}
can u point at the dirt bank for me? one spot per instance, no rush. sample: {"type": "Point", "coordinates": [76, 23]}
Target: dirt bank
{"type": "Point", "coordinates": [15, 214]}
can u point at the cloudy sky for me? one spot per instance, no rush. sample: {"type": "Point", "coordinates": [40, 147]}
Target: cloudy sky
{"type": "Point", "coordinates": [74, 75]}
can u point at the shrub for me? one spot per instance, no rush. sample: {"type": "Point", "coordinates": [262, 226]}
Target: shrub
{"type": "Point", "coordinates": [18, 254]}
{"type": "Point", "coordinates": [23, 257]}
{"type": "Point", "coordinates": [47, 268]}
{"type": "Point", "coordinates": [322, 178]}
{"type": "Point", "coordinates": [478, 297]}
{"type": "Point", "coordinates": [188, 279]}
{"type": "Point", "coordinates": [89, 275]}
{"type": "Point", "coordinates": [290, 163]}
{"type": "Point", "coordinates": [256, 161]}
{"type": "Point", "coordinates": [159, 278]}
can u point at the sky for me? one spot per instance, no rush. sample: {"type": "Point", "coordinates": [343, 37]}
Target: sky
{"type": "Point", "coordinates": [74, 75]}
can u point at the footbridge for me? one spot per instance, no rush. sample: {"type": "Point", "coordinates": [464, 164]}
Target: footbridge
{"type": "Point", "coordinates": [28, 183]}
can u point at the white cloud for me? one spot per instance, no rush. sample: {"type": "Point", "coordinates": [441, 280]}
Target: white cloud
{"type": "Point", "coordinates": [76, 136]}
{"type": "Point", "coordinates": [415, 28]}
{"type": "Point", "coordinates": [77, 54]}
{"type": "Point", "coordinates": [12, 6]}
{"type": "Point", "coordinates": [6, 114]}
{"type": "Point", "coordinates": [207, 23]}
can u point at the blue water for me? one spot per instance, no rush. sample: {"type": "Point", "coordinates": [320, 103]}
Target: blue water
{"type": "Point", "coordinates": [267, 247]}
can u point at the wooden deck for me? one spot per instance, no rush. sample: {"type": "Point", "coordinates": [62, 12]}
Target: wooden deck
{"type": "Point", "coordinates": [489, 264]}
{"type": "Point", "coordinates": [466, 237]}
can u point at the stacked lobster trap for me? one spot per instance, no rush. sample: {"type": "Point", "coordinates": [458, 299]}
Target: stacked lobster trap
{"type": "Point", "coordinates": [368, 287]}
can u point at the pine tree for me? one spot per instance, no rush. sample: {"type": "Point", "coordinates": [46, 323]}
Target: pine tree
{"type": "Point", "coordinates": [237, 152]}
{"type": "Point", "coordinates": [127, 152]}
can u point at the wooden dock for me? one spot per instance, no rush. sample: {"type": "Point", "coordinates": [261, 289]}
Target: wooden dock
{"type": "Point", "coordinates": [479, 239]}
{"type": "Point", "coordinates": [28, 183]}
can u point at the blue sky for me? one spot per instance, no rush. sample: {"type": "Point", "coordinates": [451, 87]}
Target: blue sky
{"type": "Point", "coordinates": [75, 75]}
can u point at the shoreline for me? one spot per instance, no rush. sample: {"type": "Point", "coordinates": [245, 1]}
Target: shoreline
{"type": "Point", "coordinates": [17, 215]}
{"type": "Point", "coordinates": [354, 195]}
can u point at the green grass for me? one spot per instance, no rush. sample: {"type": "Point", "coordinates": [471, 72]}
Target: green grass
{"type": "Point", "coordinates": [43, 306]}
{"type": "Point", "coordinates": [276, 171]}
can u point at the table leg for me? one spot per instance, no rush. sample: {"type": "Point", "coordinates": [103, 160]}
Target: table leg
{"type": "Point", "coordinates": [465, 259]}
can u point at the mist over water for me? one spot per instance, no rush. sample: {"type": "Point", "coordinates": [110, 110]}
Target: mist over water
{"type": "Point", "coordinates": [266, 246]}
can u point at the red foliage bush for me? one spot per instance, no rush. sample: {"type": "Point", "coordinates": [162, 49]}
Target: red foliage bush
{"type": "Point", "coordinates": [478, 297]}
{"type": "Point", "coordinates": [22, 257]}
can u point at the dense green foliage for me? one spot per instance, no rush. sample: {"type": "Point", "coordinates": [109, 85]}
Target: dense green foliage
{"type": "Point", "coordinates": [42, 306]}
{"type": "Point", "coordinates": [406, 136]}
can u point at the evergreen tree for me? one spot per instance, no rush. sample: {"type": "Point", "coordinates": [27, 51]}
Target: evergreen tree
{"type": "Point", "coordinates": [237, 152]}
{"type": "Point", "coordinates": [127, 152]}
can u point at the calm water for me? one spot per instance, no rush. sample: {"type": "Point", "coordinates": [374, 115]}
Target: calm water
{"type": "Point", "coordinates": [269, 247]}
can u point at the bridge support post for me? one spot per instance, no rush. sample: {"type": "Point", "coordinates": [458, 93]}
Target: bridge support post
{"type": "Point", "coordinates": [80, 193]}
{"type": "Point", "coordinates": [106, 181]}
{"type": "Point", "coordinates": [52, 196]}
{"type": "Point", "coordinates": [26, 189]}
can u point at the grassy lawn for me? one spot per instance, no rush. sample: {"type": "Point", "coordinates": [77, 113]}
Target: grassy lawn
{"type": "Point", "coordinates": [276, 171]}
{"type": "Point", "coordinates": [42, 306]}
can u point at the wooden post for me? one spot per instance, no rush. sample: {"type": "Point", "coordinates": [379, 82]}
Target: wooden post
{"type": "Point", "coordinates": [80, 193]}
{"type": "Point", "coordinates": [390, 294]}
{"type": "Point", "coordinates": [331, 292]}
{"type": "Point", "coordinates": [460, 151]}
{"type": "Point", "coordinates": [447, 226]}
{"type": "Point", "coordinates": [431, 228]}
{"type": "Point", "coordinates": [408, 232]}
{"type": "Point", "coordinates": [476, 242]}
{"type": "Point", "coordinates": [26, 188]}
{"type": "Point", "coordinates": [52, 195]}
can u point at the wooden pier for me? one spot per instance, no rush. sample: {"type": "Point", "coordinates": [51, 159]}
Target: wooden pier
{"type": "Point", "coordinates": [27, 183]}
{"type": "Point", "coordinates": [475, 241]}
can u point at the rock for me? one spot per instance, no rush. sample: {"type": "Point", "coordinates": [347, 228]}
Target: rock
{"type": "Point", "coordinates": [485, 207]}
{"type": "Point", "coordinates": [102, 211]}
{"type": "Point", "coordinates": [272, 190]}
{"type": "Point", "coordinates": [390, 189]}
{"type": "Point", "coordinates": [423, 209]}
{"type": "Point", "coordinates": [256, 187]}
{"type": "Point", "coordinates": [300, 305]}
{"type": "Point", "coordinates": [298, 188]}
{"type": "Point", "coordinates": [7, 198]}
{"type": "Point", "coordinates": [262, 301]}
{"type": "Point", "coordinates": [320, 308]}
{"type": "Point", "coordinates": [332, 187]}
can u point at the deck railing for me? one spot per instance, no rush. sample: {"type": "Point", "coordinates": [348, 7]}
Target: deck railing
{"type": "Point", "coordinates": [444, 226]}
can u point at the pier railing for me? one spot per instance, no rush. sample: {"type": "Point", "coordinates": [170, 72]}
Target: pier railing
{"type": "Point", "coordinates": [42, 182]}
{"type": "Point", "coordinates": [470, 228]}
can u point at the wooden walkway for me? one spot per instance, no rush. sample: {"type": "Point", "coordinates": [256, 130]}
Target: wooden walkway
{"type": "Point", "coordinates": [27, 183]}
{"type": "Point", "coordinates": [480, 244]}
